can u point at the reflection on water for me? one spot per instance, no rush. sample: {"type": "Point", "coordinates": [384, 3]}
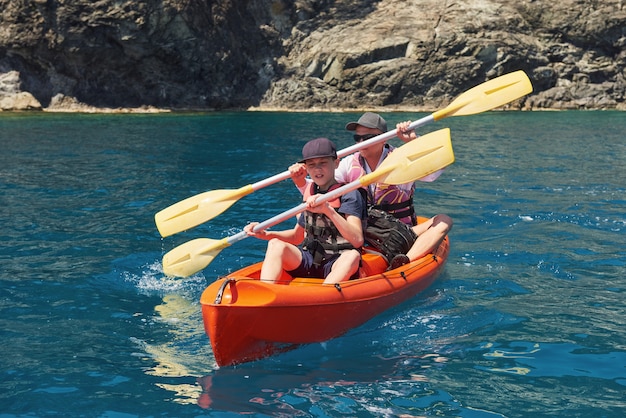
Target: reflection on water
{"type": "Point", "coordinates": [185, 353]}
{"type": "Point", "coordinates": [298, 388]}
{"type": "Point", "coordinates": [559, 360]}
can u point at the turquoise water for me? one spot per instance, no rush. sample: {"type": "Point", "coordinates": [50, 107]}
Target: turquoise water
{"type": "Point", "coordinates": [527, 320]}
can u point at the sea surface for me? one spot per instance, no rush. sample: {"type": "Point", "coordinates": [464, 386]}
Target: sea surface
{"type": "Point", "coordinates": [527, 320]}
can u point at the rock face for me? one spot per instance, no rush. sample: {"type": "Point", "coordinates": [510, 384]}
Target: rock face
{"type": "Point", "coordinates": [306, 54]}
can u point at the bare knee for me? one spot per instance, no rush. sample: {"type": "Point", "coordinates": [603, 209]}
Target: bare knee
{"type": "Point", "coordinates": [276, 247]}
{"type": "Point", "coordinates": [442, 221]}
{"type": "Point", "coordinates": [354, 258]}
{"type": "Point", "coordinates": [344, 267]}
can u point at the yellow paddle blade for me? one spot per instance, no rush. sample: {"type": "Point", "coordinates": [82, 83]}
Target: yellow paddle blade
{"type": "Point", "coordinates": [488, 95]}
{"type": "Point", "coordinates": [197, 209]}
{"type": "Point", "coordinates": [192, 256]}
{"type": "Point", "coordinates": [419, 158]}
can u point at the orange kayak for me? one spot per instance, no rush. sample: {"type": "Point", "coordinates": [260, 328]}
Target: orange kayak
{"type": "Point", "coordinates": [246, 319]}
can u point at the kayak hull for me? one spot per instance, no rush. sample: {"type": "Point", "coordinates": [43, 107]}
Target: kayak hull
{"type": "Point", "coordinates": [246, 319]}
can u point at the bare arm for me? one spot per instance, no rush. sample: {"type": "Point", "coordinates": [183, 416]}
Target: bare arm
{"type": "Point", "coordinates": [350, 227]}
{"type": "Point", "coordinates": [292, 236]}
{"type": "Point", "coordinates": [298, 174]}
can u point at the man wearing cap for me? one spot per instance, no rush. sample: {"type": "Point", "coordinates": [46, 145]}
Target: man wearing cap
{"type": "Point", "coordinates": [331, 233]}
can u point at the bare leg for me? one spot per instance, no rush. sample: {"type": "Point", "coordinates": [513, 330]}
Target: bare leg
{"type": "Point", "coordinates": [429, 235]}
{"type": "Point", "coordinates": [279, 256]}
{"type": "Point", "coordinates": [344, 267]}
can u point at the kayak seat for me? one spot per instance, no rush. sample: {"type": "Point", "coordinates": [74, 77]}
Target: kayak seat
{"type": "Point", "coordinates": [372, 263]}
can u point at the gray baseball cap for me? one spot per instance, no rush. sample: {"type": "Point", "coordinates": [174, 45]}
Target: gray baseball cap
{"type": "Point", "coordinates": [369, 120]}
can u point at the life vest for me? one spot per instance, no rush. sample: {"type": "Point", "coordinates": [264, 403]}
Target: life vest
{"type": "Point", "coordinates": [387, 197]}
{"type": "Point", "coordinates": [323, 239]}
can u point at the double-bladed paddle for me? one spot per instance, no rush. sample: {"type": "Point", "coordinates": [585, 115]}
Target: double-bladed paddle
{"type": "Point", "coordinates": [408, 163]}
{"type": "Point", "coordinates": [203, 207]}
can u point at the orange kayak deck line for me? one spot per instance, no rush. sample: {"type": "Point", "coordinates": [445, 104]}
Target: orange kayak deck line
{"type": "Point", "coordinates": [246, 319]}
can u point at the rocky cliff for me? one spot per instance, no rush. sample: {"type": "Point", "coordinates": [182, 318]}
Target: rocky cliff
{"type": "Point", "coordinates": [306, 54]}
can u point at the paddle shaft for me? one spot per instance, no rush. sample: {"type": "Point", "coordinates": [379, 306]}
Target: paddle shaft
{"type": "Point", "coordinates": [346, 151]}
{"type": "Point", "coordinates": [486, 96]}
{"type": "Point", "coordinates": [327, 197]}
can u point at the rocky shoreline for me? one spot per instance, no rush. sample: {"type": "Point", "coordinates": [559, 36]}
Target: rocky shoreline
{"type": "Point", "coordinates": [147, 56]}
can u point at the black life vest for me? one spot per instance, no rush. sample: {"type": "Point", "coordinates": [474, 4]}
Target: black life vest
{"type": "Point", "coordinates": [323, 239]}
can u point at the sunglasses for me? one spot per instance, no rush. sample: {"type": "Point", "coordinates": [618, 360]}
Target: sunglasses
{"type": "Point", "coordinates": [359, 138]}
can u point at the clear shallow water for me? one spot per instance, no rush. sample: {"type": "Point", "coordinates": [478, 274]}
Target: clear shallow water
{"type": "Point", "coordinates": [527, 320]}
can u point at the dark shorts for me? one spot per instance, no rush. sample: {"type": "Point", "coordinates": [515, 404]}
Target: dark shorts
{"type": "Point", "coordinates": [307, 269]}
